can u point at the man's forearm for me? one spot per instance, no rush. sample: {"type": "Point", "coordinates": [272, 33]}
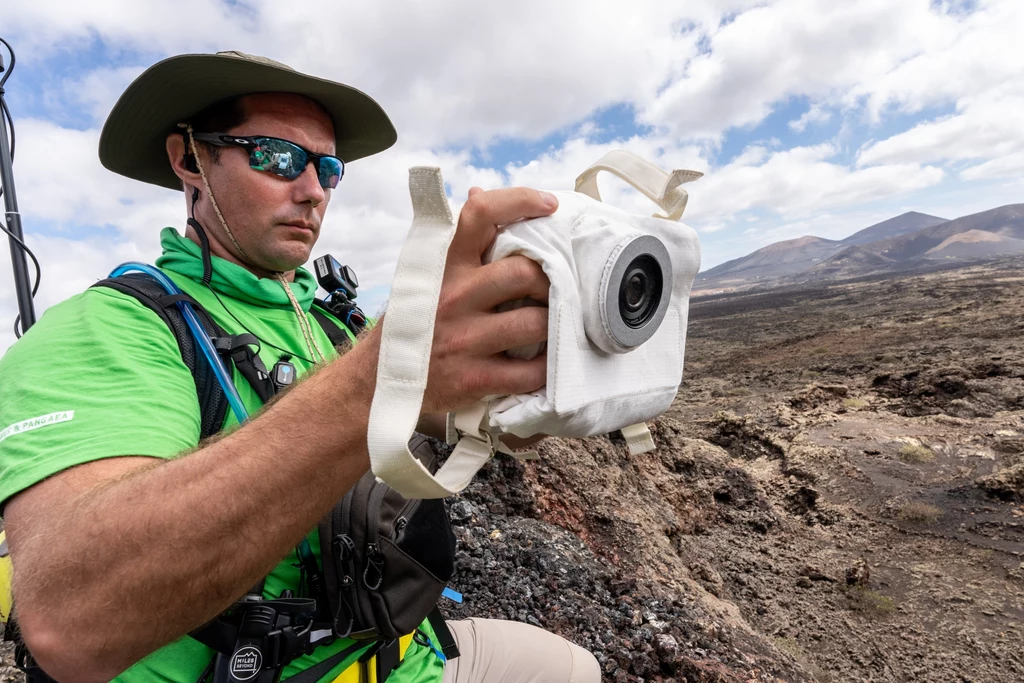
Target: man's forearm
{"type": "Point", "coordinates": [128, 570]}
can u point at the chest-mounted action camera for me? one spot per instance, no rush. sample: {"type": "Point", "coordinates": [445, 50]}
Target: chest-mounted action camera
{"type": "Point", "coordinates": [341, 283]}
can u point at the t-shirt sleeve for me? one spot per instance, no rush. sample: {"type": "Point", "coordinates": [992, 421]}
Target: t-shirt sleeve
{"type": "Point", "coordinates": [99, 376]}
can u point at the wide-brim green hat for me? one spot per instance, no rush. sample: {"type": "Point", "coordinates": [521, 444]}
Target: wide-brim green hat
{"type": "Point", "coordinates": [170, 92]}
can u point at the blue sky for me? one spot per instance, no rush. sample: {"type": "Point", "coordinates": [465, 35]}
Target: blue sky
{"type": "Point", "coordinates": [807, 116]}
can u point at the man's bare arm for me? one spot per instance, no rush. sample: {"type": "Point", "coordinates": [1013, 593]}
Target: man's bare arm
{"type": "Point", "coordinates": [120, 560]}
{"type": "Point", "coordinates": [136, 552]}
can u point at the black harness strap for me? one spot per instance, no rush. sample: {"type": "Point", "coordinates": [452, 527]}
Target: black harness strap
{"type": "Point", "coordinates": [337, 335]}
{"type": "Point", "coordinates": [169, 299]}
{"type": "Point", "coordinates": [445, 638]}
{"type": "Point", "coordinates": [387, 660]}
{"type": "Point", "coordinates": [238, 349]}
{"type": "Point", "coordinates": [318, 671]}
{"type": "Point", "coordinates": [213, 402]}
{"type": "Point", "coordinates": [221, 634]}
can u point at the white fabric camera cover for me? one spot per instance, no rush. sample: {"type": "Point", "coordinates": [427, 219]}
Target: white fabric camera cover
{"type": "Point", "coordinates": [595, 385]}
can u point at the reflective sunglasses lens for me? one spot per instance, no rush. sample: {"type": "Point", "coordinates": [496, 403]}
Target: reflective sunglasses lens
{"type": "Point", "coordinates": [278, 157]}
{"type": "Point", "coordinates": [330, 172]}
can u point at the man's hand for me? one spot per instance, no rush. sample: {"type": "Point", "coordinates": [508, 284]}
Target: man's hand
{"type": "Point", "coordinates": [467, 360]}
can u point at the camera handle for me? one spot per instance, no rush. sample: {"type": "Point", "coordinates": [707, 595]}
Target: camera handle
{"type": "Point", "coordinates": [660, 187]}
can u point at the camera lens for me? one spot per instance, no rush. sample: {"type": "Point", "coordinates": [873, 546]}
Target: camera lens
{"type": "Point", "coordinates": [625, 288]}
{"type": "Point", "coordinates": [634, 291]}
{"type": "Point", "coordinates": [640, 291]}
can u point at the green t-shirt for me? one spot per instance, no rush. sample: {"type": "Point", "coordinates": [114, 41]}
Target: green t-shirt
{"type": "Point", "coordinates": [100, 376]}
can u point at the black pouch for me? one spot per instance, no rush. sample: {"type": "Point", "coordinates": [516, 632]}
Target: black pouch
{"type": "Point", "coordinates": [386, 559]}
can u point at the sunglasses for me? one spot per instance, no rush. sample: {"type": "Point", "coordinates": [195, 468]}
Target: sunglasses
{"type": "Point", "coordinates": [280, 157]}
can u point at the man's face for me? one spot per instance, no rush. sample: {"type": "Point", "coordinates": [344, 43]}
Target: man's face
{"type": "Point", "coordinates": [275, 221]}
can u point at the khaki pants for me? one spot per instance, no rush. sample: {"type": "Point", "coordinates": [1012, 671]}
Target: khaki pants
{"type": "Point", "coordinates": [494, 651]}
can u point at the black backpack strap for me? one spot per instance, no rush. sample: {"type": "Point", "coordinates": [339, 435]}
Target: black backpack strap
{"type": "Point", "coordinates": [319, 670]}
{"type": "Point", "coordinates": [387, 660]}
{"type": "Point", "coordinates": [445, 638]}
{"type": "Point", "coordinates": [336, 334]}
{"type": "Point", "coordinates": [213, 402]}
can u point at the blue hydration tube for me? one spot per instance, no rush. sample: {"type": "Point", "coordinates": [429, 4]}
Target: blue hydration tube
{"type": "Point", "coordinates": [219, 371]}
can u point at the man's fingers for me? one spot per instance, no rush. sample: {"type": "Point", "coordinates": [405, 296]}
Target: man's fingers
{"type": "Point", "coordinates": [508, 279]}
{"type": "Point", "coordinates": [467, 360]}
{"type": "Point", "coordinates": [497, 375]}
{"type": "Point", "coordinates": [483, 212]}
{"type": "Point", "coordinates": [510, 376]}
{"type": "Point", "coordinates": [508, 330]}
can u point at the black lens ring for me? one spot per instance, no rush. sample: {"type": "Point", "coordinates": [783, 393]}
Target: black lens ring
{"type": "Point", "coordinates": [646, 271]}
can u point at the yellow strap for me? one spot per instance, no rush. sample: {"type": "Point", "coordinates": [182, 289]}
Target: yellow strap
{"type": "Point", "coordinates": [403, 645]}
{"type": "Point", "coordinates": [354, 674]}
{"type": "Point", "coordinates": [351, 674]}
{"type": "Point", "coordinates": [6, 571]}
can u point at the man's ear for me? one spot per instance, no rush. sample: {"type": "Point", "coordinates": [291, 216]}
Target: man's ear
{"type": "Point", "coordinates": [183, 163]}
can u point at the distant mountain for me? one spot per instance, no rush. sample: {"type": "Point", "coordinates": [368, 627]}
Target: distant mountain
{"type": "Point", "coordinates": [850, 262]}
{"type": "Point", "coordinates": [906, 242]}
{"type": "Point", "coordinates": [975, 244]}
{"type": "Point", "coordinates": [1005, 220]}
{"type": "Point", "coordinates": [772, 262]}
{"type": "Point", "coordinates": [912, 221]}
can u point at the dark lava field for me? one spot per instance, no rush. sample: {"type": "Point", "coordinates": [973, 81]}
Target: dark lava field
{"type": "Point", "coordinates": [837, 495]}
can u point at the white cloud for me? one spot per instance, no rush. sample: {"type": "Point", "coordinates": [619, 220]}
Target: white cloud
{"type": "Point", "coordinates": [801, 181]}
{"type": "Point", "coordinates": [984, 127]}
{"type": "Point", "coordinates": [962, 55]}
{"type": "Point", "coordinates": [814, 116]}
{"type": "Point", "coordinates": [162, 26]}
{"type": "Point", "coordinates": [815, 48]}
{"type": "Point", "coordinates": [457, 76]}
{"type": "Point", "coordinates": [1011, 165]}
{"type": "Point", "coordinates": [447, 71]}
{"type": "Point", "coordinates": [61, 183]}
{"type": "Point", "coordinates": [455, 72]}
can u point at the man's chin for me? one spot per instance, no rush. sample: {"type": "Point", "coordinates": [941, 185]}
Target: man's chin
{"type": "Point", "coordinates": [288, 259]}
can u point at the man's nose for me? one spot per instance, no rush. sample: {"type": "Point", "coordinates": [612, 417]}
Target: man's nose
{"type": "Point", "coordinates": [307, 186]}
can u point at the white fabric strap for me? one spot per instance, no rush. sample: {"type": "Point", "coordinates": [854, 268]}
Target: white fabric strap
{"type": "Point", "coordinates": [638, 438]}
{"type": "Point", "coordinates": [661, 187]}
{"type": "Point", "coordinates": [406, 340]}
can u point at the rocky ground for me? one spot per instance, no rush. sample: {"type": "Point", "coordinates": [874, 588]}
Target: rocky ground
{"type": "Point", "coordinates": [837, 495]}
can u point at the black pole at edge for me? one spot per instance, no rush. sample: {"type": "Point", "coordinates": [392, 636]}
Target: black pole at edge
{"type": "Point", "coordinates": [12, 218]}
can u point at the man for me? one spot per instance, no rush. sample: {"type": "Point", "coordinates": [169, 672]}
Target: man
{"type": "Point", "coordinates": [127, 533]}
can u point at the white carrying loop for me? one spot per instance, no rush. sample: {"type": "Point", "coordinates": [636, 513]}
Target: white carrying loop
{"type": "Point", "coordinates": [638, 438]}
{"type": "Point", "coordinates": [660, 187]}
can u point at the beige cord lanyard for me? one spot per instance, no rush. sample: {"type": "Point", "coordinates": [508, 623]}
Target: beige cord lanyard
{"type": "Point", "coordinates": [315, 353]}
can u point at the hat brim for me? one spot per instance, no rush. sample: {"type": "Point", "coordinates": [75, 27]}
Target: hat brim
{"type": "Point", "coordinates": [133, 139]}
